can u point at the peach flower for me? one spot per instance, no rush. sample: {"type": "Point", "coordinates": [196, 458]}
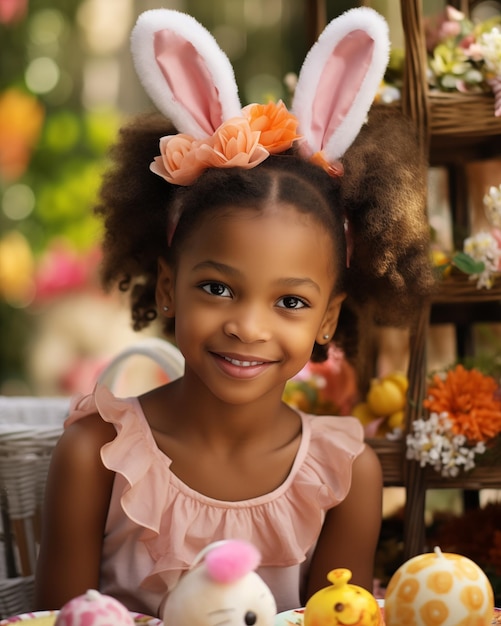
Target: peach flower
{"type": "Point", "coordinates": [275, 123]}
{"type": "Point", "coordinates": [233, 144]}
{"type": "Point", "coordinates": [177, 162]}
{"type": "Point", "coordinates": [245, 142]}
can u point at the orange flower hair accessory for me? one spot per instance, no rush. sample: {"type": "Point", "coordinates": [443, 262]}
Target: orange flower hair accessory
{"type": "Point", "coordinates": [239, 142]}
{"type": "Point", "coordinates": [191, 81]}
{"type": "Point", "coordinates": [275, 123]}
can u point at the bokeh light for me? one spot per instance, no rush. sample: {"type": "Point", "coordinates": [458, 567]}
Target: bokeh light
{"type": "Point", "coordinates": [18, 202]}
{"type": "Point", "coordinates": [42, 75]}
{"type": "Point", "coordinates": [46, 27]}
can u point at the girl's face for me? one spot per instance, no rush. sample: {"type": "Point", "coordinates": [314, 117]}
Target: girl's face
{"type": "Point", "coordinates": [251, 293]}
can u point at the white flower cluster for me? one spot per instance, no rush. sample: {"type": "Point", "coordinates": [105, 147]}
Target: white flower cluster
{"type": "Point", "coordinates": [484, 247]}
{"type": "Point", "coordinates": [433, 443]}
{"type": "Point", "coordinates": [492, 205]}
{"type": "Point", "coordinates": [490, 43]}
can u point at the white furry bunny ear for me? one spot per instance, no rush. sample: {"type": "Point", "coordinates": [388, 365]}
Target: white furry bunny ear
{"type": "Point", "coordinates": [184, 71]}
{"type": "Point", "coordinates": [339, 80]}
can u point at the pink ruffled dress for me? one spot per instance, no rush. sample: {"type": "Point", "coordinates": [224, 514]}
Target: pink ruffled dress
{"type": "Point", "coordinates": [156, 524]}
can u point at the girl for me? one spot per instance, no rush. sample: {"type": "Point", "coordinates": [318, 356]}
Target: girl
{"type": "Point", "coordinates": [239, 235]}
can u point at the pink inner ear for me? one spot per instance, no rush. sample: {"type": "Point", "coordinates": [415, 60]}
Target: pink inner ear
{"type": "Point", "coordinates": [189, 79]}
{"type": "Point", "coordinates": [347, 65]}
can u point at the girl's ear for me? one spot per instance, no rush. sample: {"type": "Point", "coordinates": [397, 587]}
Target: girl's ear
{"type": "Point", "coordinates": [164, 293]}
{"type": "Point", "coordinates": [184, 71]}
{"type": "Point", "coordinates": [338, 81]}
{"type": "Point", "coordinates": [329, 322]}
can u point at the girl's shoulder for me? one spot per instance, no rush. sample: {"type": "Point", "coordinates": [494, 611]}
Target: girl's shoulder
{"type": "Point", "coordinates": [329, 447]}
{"type": "Point", "coordinates": [103, 406]}
{"type": "Point", "coordinates": [324, 433]}
{"type": "Point", "coordinates": [115, 425]}
{"type": "Point", "coordinates": [100, 418]}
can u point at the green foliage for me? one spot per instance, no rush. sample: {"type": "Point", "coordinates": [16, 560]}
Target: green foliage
{"type": "Point", "coordinates": [467, 264]}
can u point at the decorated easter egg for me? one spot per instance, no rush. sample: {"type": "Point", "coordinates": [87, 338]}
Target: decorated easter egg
{"type": "Point", "coordinates": [94, 609]}
{"type": "Point", "coordinates": [342, 604]}
{"type": "Point", "coordinates": [439, 589]}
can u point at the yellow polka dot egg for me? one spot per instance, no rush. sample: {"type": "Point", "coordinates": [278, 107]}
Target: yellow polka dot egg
{"type": "Point", "coordinates": [439, 589]}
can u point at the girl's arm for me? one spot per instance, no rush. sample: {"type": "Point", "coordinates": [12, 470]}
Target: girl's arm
{"type": "Point", "coordinates": [350, 532]}
{"type": "Point", "coordinates": [77, 498]}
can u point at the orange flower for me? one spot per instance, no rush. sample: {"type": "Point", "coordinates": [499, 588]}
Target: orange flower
{"type": "Point", "coordinates": [275, 123]}
{"type": "Point", "coordinates": [469, 399]}
{"type": "Point", "coordinates": [21, 119]}
{"type": "Point", "coordinates": [233, 144]}
{"type": "Point", "coordinates": [177, 162]}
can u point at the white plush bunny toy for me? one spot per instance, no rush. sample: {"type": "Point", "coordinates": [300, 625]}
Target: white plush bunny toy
{"type": "Point", "coordinates": [222, 588]}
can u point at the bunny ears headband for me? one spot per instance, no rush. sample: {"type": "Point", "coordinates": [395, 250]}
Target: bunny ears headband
{"type": "Point", "coordinates": [191, 81]}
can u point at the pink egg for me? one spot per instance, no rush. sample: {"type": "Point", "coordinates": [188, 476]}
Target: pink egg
{"type": "Point", "coordinates": [94, 609]}
{"type": "Point", "coordinates": [439, 589]}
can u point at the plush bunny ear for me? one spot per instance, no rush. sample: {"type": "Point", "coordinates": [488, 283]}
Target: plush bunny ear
{"type": "Point", "coordinates": [184, 71]}
{"type": "Point", "coordinates": [339, 80]}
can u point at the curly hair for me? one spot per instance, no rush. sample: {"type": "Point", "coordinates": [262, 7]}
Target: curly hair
{"type": "Point", "coordinates": [382, 194]}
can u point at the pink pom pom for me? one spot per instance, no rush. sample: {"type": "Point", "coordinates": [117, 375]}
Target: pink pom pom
{"type": "Point", "coordinates": [232, 560]}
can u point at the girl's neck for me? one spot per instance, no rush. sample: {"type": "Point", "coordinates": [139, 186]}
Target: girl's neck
{"type": "Point", "coordinates": [227, 452]}
{"type": "Point", "coordinates": [187, 406]}
{"type": "Point", "coordinates": [214, 416]}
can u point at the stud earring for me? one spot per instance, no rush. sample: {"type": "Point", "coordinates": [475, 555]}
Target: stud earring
{"type": "Point", "coordinates": [326, 337]}
{"type": "Point", "coordinates": [165, 308]}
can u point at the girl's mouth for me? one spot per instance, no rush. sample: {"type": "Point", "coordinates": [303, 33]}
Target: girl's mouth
{"type": "Point", "coordinates": [242, 363]}
{"type": "Point", "coordinates": [243, 368]}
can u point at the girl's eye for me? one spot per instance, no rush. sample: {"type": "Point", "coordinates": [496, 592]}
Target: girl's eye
{"type": "Point", "coordinates": [291, 302]}
{"type": "Point", "coordinates": [217, 289]}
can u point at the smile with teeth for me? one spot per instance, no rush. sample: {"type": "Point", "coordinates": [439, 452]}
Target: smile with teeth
{"type": "Point", "coordinates": [243, 363]}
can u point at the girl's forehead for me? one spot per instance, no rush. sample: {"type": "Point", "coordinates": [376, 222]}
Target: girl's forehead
{"type": "Point", "coordinates": [288, 215]}
{"type": "Point", "coordinates": [279, 235]}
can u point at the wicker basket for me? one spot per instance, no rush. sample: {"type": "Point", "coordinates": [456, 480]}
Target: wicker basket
{"type": "Point", "coordinates": [29, 429]}
{"type": "Point", "coordinates": [461, 114]}
{"type": "Point", "coordinates": [439, 115]}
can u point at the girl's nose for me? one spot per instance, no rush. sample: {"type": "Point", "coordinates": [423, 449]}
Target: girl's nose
{"type": "Point", "coordinates": [249, 325]}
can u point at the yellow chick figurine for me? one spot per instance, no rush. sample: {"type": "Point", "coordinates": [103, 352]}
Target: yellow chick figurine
{"type": "Point", "coordinates": [342, 604]}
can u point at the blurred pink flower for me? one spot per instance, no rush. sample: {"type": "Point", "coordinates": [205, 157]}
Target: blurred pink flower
{"type": "Point", "coordinates": [63, 269]}
{"type": "Point", "coordinates": [338, 380]}
{"type": "Point", "coordinates": [441, 26]}
{"type": "Point", "coordinates": [449, 29]}
{"type": "Point", "coordinates": [12, 10]}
